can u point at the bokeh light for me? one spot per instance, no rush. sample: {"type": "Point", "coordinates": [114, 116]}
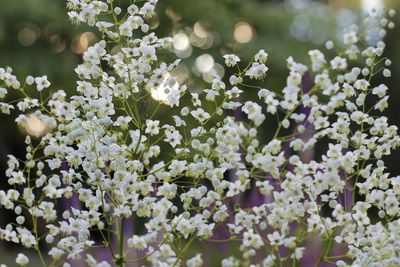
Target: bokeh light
{"type": "Point", "coordinates": [199, 30]}
{"type": "Point", "coordinates": [82, 42]}
{"type": "Point", "coordinates": [181, 41]}
{"type": "Point", "coordinates": [243, 32]}
{"type": "Point", "coordinates": [34, 126]}
{"type": "Point", "coordinates": [369, 5]}
{"type": "Point", "coordinates": [28, 35]}
{"type": "Point", "coordinates": [217, 69]}
{"type": "Point", "coordinates": [204, 63]}
{"type": "Point", "coordinates": [162, 92]}
{"type": "Point", "coordinates": [59, 44]}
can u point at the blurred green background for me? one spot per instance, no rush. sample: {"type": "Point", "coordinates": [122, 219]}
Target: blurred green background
{"type": "Point", "coordinates": [37, 38]}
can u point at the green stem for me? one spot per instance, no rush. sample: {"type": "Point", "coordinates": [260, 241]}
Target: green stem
{"type": "Point", "coordinates": [325, 251]}
{"type": "Point", "coordinates": [34, 220]}
{"type": "Point", "coordinates": [183, 251]}
{"type": "Point", "coordinates": [120, 261]}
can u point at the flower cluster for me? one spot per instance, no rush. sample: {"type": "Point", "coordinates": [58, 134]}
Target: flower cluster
{"type": "Point", "coordinates": [109, 155]}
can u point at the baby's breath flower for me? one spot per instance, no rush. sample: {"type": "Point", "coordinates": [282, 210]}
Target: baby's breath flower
{"type": "Point", "coordinates": [22, 260]}
{"type": "Point", "coordinates": [42, 83]}
{"type": "Point", "coordinates": [107, 154]}
{"type": "Point", "coordinates": [387, 73]}
{"type": "Point", "coordinates": [231, 60]}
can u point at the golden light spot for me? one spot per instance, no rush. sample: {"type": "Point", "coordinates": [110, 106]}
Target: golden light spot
{"type": "Point", "coordinates": [199, 30]}
{"type": "Point", "coordinates": [34, 126]}
{"type": "Point", "coordinates": [172, 15]}
{"type": "Point", "coordinates": [243, 32]}
{"type": "Point", "coordinates": [202, 38]}
{"type": "Point", "coordinates": [81, 42]}
{"type": "Point", "coordinates": [58, 43]}
{"type": "Point", "coordinates": [27, 36]}
{"type": "Point", "coordinates": [153, 22]}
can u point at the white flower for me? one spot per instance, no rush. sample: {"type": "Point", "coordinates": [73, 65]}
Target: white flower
{"type": "Point", "coordinates": [116, 156]}
{"type": "Point", "coordinates": [253, 110]}
{"type": "Point", "coordinates": [382, 104]}
{"type": "Point", "coordinates": [42, 83]}
{"type": "Point", "coordinates": [261, 56]}
{"type": "Point", "coordinates": [172, 137]}
{"type": "Point", "coordinates": [329, 45]}
{"type": "Point", "coordinates": [257, 71]}
{"type": "Point", "coordinates": [339, 63]}
{"type": "Point", "coordinates": [200, 115]}
{"type": "Point", "coordinates": [22, 259]}
{"type": "Point", "coordinates": [234, 80]}
{"type": "Point", "coordinates": [231, 60]}
{"type": "Point", "coordinates": [152, 127]}
{"type": "Point", "coordinates": [251, 239]}
{"type": "Point", "coordinates": [123, 122]}
{"type": "Point", "coordinates": [3, 92]}
{"type": "Point", "coordinates": [30, 80]}
{"type": "Point", "coordinates": [350, 38]}
{"type": "Point", "coordinates": [361, 85]}
{"type": "Point", "coordinates": [387, 73]}
{"type": "Point", "coordinates": [196, 261]}
{"type": "Point", "coordinates": [211, 94]}
{"type": "Point", "coordinates": [380, 90]}
{"type": "Point", "coordinates": [270, 100]}
{"type": "Point", "coordinates": [298, 253]}
{"type": "Point", "coordinates": [218, 85]}
{"type": "Point", "coordinates": [275, 238]}
{"type": "Point", "coordinates": [149, 54]}
{"type": "Point", "coordinates": [137, 242]}
{"type": "Point", "coordinates": [317, 59]}
{"type": "Point", "coordinates": [178, 121]}
{"type": "Point", "coordinates": [20, 219]}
